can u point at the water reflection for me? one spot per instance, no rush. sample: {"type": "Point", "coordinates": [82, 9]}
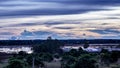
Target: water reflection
{"type": "Point", "coordinates": [15, 49]}
{"type": "Point", "coordinates": [93, 47]}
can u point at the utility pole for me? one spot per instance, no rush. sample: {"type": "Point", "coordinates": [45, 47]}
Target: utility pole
{"type": "Point", "coordinates": [33, 63]}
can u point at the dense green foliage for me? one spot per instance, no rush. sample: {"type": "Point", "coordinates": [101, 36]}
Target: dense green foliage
{"type": "Point", "coordinates": [49, 46]}
{"type": "Point", "coordinates": [86, 45]}
{"type": "Point", "coordinates": [85, 61]}
{"type": "Point", "coordinates": [78, 59]}
{"type": "Point", "coordinates": [16, 63]}
{"type": "Point", "coordinates": [109, 57]}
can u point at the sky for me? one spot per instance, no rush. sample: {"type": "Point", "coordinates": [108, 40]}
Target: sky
{"type": "Point", "coordinates": [60, 19]}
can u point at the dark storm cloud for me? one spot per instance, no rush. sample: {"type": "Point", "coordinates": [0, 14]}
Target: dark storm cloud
{"type": "Point", "coordinates": [26, 33]}
{"type": "Point", "coordinates": [23, 24]}
{"type": "Point", "coordinates": [109, 37]}
{"type": "Point", "coordinates": [48, 24]}
{"type": "Point", "coordinates": [59, 7]}
{"type": "Point", "coordinates": [6, 33]}
{"type": "Point", "coordinates": [97, 2]}
{"type": "Point", "coordinates": [53, 23]}
{"type": "Point", "coordinates": [28, 24]}
{"type": "Point", "coordinates": [3, 0]}
{"type": "Point", "coordinates": [100, 2]}
{"type": "Point", "coordinates": [65, 28]}
{"type": "Point", "coordinates": [105, 31]}
{"type": "Point", "coordinates": [113, 18]}
{"type": "Point", "coordinates": [37, 12]}
{"type": "Point", "coordinates": [35, 33]}
{"type": "Point", "coordinates": [43, 34]}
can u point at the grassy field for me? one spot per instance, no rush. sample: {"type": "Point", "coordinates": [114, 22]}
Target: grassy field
{"type": "Point", "coordinates": [2, 65]}
{"type": "Point", "coordinates": [53, 64]}
{"type": "Point", "coordinates": [47, 65]}
{"type": "Point", "coordinates": [57, 64]}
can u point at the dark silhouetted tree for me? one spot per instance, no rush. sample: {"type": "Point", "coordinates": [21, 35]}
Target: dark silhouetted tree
{"type": "Point", "coordinates": [85, 61]}
{"type": "Point", "coordinates": [49, 46]}
{"type": "Point", "coordinates": [86, 45]}
{"type": "Point", "coordinates": [105, 58]}
{"type": "Point", "coordinates": [16, 63]}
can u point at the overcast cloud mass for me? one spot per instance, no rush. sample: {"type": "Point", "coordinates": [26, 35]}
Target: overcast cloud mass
{"type": "Point", "coordinates": [61, 19]}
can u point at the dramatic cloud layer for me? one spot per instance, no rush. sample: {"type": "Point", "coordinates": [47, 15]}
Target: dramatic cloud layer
{"type": "Point", "coordinates": [62, 19]}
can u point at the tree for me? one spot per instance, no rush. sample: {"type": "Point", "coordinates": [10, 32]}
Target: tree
{"type": "Point", "coordinates": [86, 45]}
{"type": "Point", "coordinates": [47, 57]}
{"type": "Point", "coordinates": [81, 51]}
{"type": "Point", "coordinates": [105, 58]}
{"type": "Point", "coordinates": [68, 61]}
{"type": "Point", "coordinates": [22, 53]}
{"type": "Point", "coordinates": [38, 61]}
{"type": "Point", "coordinates": [16, 63]}
{"type": "Point", "coordinates": [114, 56]}
{"type": "Point", "coordinates": [57, 56]}
{"type": "Point", "coordinates": [118, 46]}
{"type": "Point", "coordinates": [49, 46]}
{"type": "Point", "coordinates": [74, 53]}
{"type": "Point", "coordinates": [85, 61]}
{"type": "Point", "coordinates": [104, 51]}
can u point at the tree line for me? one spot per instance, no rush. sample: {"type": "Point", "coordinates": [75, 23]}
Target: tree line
{"type": "Point", "coordinates": [50, 49]}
